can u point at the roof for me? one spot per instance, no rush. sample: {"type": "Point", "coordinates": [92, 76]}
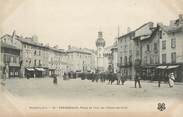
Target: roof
{"type": "Point", "coordinates": [56, 49]}
{"type": "Point", "coordinates": [108, 49]}
{"type": "Point", "coordinates": [28, 40]}
{"type": "Point", "coordinates": [130, 33]}
{"type": "Point", "coordinates": [133, 32]}
{"type": "Point", "coordinates": [78, 50]}
{"type": "Point", "coordinates": [5, 45]}
{"type": "Point", "coordinates": [154, 30]}
{"type": "Point", "coordinates": [172, 29]}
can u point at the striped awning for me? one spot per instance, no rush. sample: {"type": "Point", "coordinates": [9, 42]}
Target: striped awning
{"type": "Point", "coordinates": [162, 67]}
{"type": "Point", "coordinates": [40, 69]}
{"type": "Point", "coordinates": [172, 66]}
{"type": "Point", "coordinates": [30, 69]}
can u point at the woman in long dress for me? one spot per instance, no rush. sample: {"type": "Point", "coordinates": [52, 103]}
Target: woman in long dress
{"type": "Point", "coordinates": [171, 80]}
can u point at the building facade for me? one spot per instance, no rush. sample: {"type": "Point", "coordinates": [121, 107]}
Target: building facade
{"type": "Point", "coordinates": [80, 60]}
{"type": "Point", "coordinates": [125, 55]}
{"type": "Point", "coordinates": [150, 54]}
{"type": "Point", "coordinates": [114, 51]}
{"type": "Point", "coordinates": [171, 47]}
{"type": "Point", "coordinates": [10, 56]}
{"type": "Point", "coordinates": [57, 63]}
{"type": "Point", "coordinates": [107, 62]}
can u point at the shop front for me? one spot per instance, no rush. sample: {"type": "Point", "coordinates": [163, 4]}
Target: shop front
{"type": "Point", "coordinates": [149, 72]}
{"type": "Point", "coordinates": [51, 72]}
{"type": "Point", "coordinates": [14, 72]}
{"type": "Point", "coordinates": [29, 72]}
{"type": "Point", "coordinates": [165, 70]}
{"type": "Point", "coordinates": [40, 72]}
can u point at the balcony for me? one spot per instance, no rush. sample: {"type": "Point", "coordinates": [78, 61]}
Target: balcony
{"type": "Point", "coordinates": [127, 64]}
{"type": "Point", "coordinates": [137, 62]}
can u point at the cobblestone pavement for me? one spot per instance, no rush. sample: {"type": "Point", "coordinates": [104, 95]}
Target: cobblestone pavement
{"type": "Point", "coordinates": [35, 95]}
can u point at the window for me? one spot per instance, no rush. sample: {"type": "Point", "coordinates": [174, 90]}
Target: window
{"type": "Point", "coordinates": [164, 44]}
{"type": "Point", "coordinates": [164, 58]}
{"type": "Point", "coordinates": [7, 58]}
{"type": "Point", "coordinates": [137, 42]}
{"type": "Point", "coordinates": [173, 57]}
{"type": "Point", "coordinates": [173, 42]}
{"type": "Point", "coordinates": [120, 59]}
{"type": "Point", "coordinates": [155, 46]}
{"type": "Point", "coordinates": [34, 62]}
{"type": "Point", "coordinates": [151, 59]}
{"type": "Point", "coordinates": [39, 62]}
{"type": "Point", "coordinates": [25, 46]}
{"type": "Point", "coordinates": [35, 52]}
{"type": "Point", "coordinates": [14, 59]}
{"type": "Point", "coordinates": [160, 34]}
{"type": "Point", "coordinates": [39, 53]}
{"type": "Point", "coordinates": [148, 49]}
{"type": "Point", "coordinates": [137, 53]}
{"type": "Point", "coordinates": [125, 60]}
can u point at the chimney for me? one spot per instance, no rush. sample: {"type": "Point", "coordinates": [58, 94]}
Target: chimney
{"type": "Point", "coordinates": [69, 47]}
{"type": "Point", "coordinates": [35, 38]}
{"type": "Point", "coordinates": [151, 24]}
{"type": "Point", "coordinates": [172, 22]}
{"type": "Point", "coordinates": [47, 45]}
{"type": "Point", "coordinates": [13, 35]}
{"type": "Point", "coordinates": [128, 29]}
{"type": "Point", "coordinates": [181, 18]}
{"type": "Point", "coordinates": [159, 24]}
{"type": "Point", "coordinates": [56, 46]}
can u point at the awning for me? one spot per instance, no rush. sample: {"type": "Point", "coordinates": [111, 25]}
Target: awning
{"type": "Point", "coordinates": [30, 69]}
{"type": "Point", "coordinates": [172, 66]}
{"type": "Point", "coordinates": [51, 69]}
{"type": "Point", "coordinates": [40, 69]}
{"type": "Point", "coordinates": [162, 67]}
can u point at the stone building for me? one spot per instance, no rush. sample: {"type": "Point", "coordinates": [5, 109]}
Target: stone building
{"type": "Point", "coordinates": [80, 60]}
{"type": "Point", "coordinates": [148, 38]}
{"type": "Point", "coordinates": [171, 48]}
{"type": "Point", "coordinates": [107, 60]}
{"type": "Point", "coordinates": [10, 56]}
{"type": "Point", "coordinates": [34, 56]}
{"type": "Point", "coordinates": [57, 63]}
{"type": "Point", "coordinates": [125, 54]}
{"type": "Point", "coordinates": [114, 51]}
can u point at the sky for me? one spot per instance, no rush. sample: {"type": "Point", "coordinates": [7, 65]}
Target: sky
{"type": "Point", "coordinates": [77, 22]}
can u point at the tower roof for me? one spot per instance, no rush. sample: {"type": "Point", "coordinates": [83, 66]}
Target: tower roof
{"type": "Point", "coordinates": [100, 40]}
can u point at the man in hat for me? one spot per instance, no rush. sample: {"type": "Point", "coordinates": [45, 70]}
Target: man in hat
{"type": "Point", "coordinates": [137, 80]}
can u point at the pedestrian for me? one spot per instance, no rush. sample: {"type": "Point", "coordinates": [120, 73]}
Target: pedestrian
{"type": "Point", "coordinates": [137, 80]}
{"type": "Point", "coordinates": [118, 77]}
{"type": "Point", "coordinates": [171, 79]}
{"type": "Point", "coordinates": [122, 79]}
{"type": "Point", "coordinates": [159, 79]}
{"type": "Point", "coordinates": [55, 79]}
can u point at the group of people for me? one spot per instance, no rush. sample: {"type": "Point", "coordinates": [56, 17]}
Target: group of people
{"type": "Point", "coordinates": [110, 77]}
{"type": "Point", "coordinates": [120, 78]}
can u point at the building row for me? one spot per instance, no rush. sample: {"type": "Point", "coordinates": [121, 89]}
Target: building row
{"type": "Point", "coordinates": [26, 57]}
{"type": "Point", "coordinates": [152, 50]}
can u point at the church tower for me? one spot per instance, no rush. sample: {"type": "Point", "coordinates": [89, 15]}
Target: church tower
{"type": "Point", "coordinates": [100, 44]}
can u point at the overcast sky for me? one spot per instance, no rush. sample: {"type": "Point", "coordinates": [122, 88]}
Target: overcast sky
{"type": "Point", "coordinates": [76, 22]}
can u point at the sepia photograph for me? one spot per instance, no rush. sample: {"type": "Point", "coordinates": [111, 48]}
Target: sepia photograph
{"type": "Point", "coordinates": [69, 58]}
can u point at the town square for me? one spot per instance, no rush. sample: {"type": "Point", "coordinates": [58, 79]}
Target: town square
{"type": "Point", "coordinates": [91, 56]}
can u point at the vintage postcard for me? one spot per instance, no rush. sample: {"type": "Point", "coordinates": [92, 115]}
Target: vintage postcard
{"type": "Point", "coordinates": [91, 58]}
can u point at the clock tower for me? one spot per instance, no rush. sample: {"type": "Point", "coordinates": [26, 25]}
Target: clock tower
{"type": "Point", "coordinates": [100, 44]}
